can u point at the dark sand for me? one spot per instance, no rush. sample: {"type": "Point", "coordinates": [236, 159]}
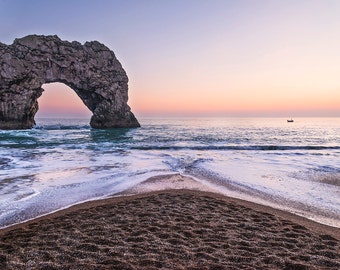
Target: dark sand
{"type": "Point", "coordinates": [170, 229]}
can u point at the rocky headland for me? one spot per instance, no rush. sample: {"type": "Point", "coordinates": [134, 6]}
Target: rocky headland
{"type": "Point", "coordinates": [91, 70]}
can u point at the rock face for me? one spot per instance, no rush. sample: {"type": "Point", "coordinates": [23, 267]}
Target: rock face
{"type": "Point", "coordinates": [91, 70]}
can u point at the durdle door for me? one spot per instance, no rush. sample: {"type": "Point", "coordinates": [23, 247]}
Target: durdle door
{"type": "Point", "coordinates": [91, 70]}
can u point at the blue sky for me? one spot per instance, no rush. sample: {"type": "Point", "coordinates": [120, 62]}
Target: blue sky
{"type": "Point", "coordinates": [245, 57]}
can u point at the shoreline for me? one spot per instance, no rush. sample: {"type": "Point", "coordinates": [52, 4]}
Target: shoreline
{"type": "Point", "coordinates": [169, 229]}
{"type": "Point", "coordinates": [177, 182]}
{"type": "Point", "coordinates": [310, 224]}
{"type": "Point", "coordinates": [173, 228]}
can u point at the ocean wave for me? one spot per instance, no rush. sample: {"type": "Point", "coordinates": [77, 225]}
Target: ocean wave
{"type": "Point", "coordinates": [62, 127]}
{"type": "Point", "coordinates": [237, 147]}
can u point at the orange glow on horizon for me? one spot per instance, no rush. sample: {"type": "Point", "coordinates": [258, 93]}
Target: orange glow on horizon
{"type": "Point", "coordinates": [59, 100]}
{"type": "Point", "coordinates": [237, 103]}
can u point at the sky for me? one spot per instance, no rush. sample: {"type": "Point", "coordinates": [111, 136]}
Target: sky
{"type": "Point", "coordinates": [194, 57]}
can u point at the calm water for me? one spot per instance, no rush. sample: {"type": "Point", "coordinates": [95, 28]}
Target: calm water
{"type": "Point", "coordinates": [292, 166]}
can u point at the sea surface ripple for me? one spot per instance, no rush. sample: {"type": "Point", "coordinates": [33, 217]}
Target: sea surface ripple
{"type": "Point", "coordinates": [60, 162]}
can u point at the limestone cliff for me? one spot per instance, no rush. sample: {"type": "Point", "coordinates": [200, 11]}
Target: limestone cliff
{"type": "Point", "coordinates": [91, 70]}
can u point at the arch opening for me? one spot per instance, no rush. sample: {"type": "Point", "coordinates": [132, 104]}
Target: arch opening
{"type": "Point", "coordinates": [58, 100]}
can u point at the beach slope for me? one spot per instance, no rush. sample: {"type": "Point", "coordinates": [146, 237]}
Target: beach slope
{"type": "Point", "coordinates": [170, 229]}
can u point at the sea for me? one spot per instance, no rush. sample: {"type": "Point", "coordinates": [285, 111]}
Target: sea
{"type": "Point", "coordinates": [61, 162]}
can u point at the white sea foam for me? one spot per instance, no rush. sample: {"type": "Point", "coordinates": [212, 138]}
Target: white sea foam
{"type": "Point", "coordinates": [62, 162]}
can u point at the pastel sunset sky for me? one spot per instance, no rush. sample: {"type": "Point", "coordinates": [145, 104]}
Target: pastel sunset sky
{"type": "Point", "coordinates": [199, 57]}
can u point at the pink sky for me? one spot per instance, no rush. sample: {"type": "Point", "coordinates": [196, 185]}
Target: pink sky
{"type": "Point", "coordinates": [270, 58]}
{"type": "Point", "coordinates": [59, 100]}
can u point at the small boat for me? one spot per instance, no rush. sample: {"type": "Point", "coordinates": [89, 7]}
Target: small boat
{"type": "Point", "coordinates": [290, 120]}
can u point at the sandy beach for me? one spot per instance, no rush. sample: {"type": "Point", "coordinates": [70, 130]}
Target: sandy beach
{"type": "Point", "coordinates": [170, 222]}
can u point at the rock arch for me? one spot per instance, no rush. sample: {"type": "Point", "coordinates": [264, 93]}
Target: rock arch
{"type": "Point", "coordinates": [91, 70]}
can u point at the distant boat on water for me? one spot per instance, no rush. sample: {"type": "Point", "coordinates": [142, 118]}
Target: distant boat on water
{"type": "Point", "coordinates": [290, 120]}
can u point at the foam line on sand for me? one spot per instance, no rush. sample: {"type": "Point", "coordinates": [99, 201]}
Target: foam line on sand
{"type": "Point", "coordinates": [169, 229]}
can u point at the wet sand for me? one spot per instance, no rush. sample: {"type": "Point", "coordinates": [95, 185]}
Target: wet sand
{"type": "Point", "coordinates": [171, 228]}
